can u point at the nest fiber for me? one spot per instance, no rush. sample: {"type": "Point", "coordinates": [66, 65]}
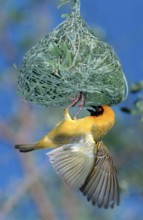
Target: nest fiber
{"type": "Point", "coordinates": [69, 60]}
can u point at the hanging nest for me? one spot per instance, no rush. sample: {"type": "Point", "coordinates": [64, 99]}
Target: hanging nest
{"type": "Point", "coordinates": [70, 60]}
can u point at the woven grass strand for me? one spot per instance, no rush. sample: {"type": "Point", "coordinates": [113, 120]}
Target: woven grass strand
{"type": "Point", "coordinates": [69, 60]}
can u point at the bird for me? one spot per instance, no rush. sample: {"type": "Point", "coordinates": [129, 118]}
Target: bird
{"type": "Point", "coordinates": [80, 157]}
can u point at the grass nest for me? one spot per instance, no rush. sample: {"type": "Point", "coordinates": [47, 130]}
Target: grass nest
{"type": "Point", "coordinates": [70, 60]}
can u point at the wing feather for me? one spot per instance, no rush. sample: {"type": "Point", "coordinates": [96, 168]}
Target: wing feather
{"type": "Point", "coordinates": [107, 191]}
{"type": "Point", "coordinates": [88, 166]}
{"type": "Point", "coordinates": [101, 186]}
{"type": "Point", "coordinates": [73, 162]}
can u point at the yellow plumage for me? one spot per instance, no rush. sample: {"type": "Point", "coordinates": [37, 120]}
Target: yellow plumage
{"type": "Point", "coordinates": [69, 129]}
{"type": "Point", "coordinates": [80, 157]}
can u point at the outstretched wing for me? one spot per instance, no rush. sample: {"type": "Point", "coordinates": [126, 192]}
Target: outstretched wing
{"type": "Point", "coordinates": [101, 185]}
{"type": "Point", "coordinates": [73, 162]}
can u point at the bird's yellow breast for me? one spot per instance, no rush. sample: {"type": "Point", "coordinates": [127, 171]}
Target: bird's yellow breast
{"type": "Point", "coordinates": [97, 125]}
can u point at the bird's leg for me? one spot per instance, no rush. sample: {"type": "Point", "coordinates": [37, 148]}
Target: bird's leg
{"type": "Point", "coordinates": [81, 105]}
{"type": "Point", "coordinates": [75, 100]}
{"type": "Point", "coordinates": [79, 97]}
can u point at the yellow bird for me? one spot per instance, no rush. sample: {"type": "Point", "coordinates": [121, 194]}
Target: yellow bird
{"type": "Point", "coordinates": [80, 157]}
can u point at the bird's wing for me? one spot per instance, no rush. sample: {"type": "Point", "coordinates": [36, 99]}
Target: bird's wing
{"type": "Point", "coordinates": [101, 185]}
{"type": "Point", "coordinates": [73, 162]}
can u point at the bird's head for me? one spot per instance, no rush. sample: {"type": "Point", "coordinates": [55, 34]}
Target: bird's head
{"type": "Point", "coordinates": [103, 119]}
{"type": "Point", "coordinates": [96, 110]}
{"type": "Point", "coordinates": [99, 110]}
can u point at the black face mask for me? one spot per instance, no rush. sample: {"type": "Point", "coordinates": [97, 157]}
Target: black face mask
{"type": "Point", "coordinates": [96, 111]}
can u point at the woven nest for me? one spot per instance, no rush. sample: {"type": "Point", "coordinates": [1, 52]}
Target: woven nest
{"type": "Point", "coordinates": [70, 60]}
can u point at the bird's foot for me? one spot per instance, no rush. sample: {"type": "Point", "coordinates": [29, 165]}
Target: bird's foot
{"type": "Point", "coordinates": [80, 97]}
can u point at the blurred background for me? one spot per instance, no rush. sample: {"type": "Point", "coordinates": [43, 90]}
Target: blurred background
{"type": "Point", "coordinates": [29, 186]}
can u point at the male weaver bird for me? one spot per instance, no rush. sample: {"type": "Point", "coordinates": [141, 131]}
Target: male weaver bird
{"type": "Point", "coordinates": [80, 157]}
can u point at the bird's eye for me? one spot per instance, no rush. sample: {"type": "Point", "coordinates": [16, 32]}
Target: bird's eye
{"type": "Point", "coordinates": [99, 109]}
{"type": "Point", "coordinates": [96, 111]}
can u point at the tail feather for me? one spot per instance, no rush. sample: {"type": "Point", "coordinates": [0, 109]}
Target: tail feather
{"type": "Point", "coordinates": [25, 147]}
